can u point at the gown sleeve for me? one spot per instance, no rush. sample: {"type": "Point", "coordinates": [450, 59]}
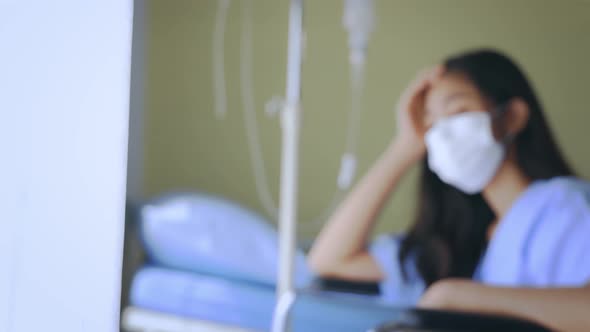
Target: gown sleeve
{"type": "Point", "coordinates": [395, 289]}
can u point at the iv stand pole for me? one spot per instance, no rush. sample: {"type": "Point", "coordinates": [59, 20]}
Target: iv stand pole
{"type": "Point", "coordinates": [290, 123]}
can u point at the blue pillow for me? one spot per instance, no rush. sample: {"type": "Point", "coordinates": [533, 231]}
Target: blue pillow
{"type": "Point", "coordinates": [208, 234]}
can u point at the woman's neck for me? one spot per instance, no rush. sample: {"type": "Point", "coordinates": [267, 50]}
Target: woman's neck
{"type": "Point", "coordinates": [508, 184]}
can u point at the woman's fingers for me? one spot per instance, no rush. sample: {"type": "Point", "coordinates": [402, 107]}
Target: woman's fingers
{"type": "Point", "coordinates": [421, 83]}
{"type": "Point", "coordinates": [436, 73]}
{"type": "Point", "coordinates": [416, 104]}
{"type": "Point", "coordinates": [411, 104]}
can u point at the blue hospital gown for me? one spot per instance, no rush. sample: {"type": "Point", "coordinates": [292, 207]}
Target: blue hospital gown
{"type": "Point", "coordinates": [543, 241]}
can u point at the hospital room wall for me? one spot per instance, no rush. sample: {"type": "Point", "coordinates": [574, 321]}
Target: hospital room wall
{"type": "Point", "coordinates": [186, 147]}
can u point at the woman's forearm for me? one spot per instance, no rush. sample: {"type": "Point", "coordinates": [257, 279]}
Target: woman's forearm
{"type": "Point", "coordinates": [345, 235]}
{"type": "Point", "coordinates": [561, 309]}
{"type": "Point", "coordinates": [340, 247]}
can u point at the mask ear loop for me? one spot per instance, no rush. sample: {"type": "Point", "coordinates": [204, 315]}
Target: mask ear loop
{"type": "Point", "coordinates": [497, 113]}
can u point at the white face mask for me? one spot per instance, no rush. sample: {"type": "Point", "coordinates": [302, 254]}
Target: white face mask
{"type": "Point", "coordinates": [463, 152]}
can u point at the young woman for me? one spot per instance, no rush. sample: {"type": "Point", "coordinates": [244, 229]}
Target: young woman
{"type": "Point", "coordinates": [502, 225]}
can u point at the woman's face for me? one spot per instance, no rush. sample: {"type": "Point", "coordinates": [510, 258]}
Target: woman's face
{"type": "Point", "coordinates": [463, 151]}
{"type": "Point", "coordinates": [451, 94]}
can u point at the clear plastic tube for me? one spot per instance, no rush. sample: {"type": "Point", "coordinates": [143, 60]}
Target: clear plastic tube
{"type": "Point", "coordinates": [348, 164]}
{"type": "Point", "coordinates": [250, 121]}
{"type": "Point", "coordinates": [252, 131]}
{"type": "Point", "coordinates": [359, 21]}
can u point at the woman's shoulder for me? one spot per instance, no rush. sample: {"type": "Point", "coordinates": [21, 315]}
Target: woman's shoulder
{"type": "Point", "coordinates": [560, 201]}
{"type": "Point", "coordinates": [558, 240]}
{"type": "Point", "coordinates": [561, 190]}
{"type": "Point", "coordinates": [564, 183]}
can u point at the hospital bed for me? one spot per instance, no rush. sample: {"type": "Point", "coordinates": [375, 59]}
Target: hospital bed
{"type": "Point", "coordinates": [161, 296]}
{"type": "Point", "coordinates": [167, 299]}
{"type": "Point", "coordinates": [141, 320]}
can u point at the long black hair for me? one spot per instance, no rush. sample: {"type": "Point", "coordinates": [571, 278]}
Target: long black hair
{"type": "Point", "coordinates": [448, 236]}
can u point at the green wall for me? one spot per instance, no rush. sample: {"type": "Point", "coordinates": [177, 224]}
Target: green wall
{"type": "Point", "coordinates": [186, 147]}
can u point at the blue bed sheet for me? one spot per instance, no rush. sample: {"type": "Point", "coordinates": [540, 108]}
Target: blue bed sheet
{"type": "Point", "coordinates": [250, 305]}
